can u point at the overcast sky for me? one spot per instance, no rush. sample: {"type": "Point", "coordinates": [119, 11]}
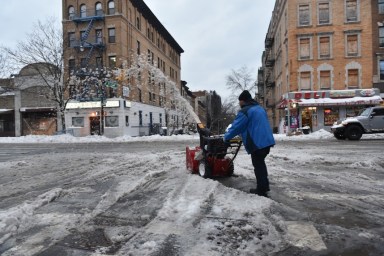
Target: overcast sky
{"type": "Point", "coordinates": [216, 35]}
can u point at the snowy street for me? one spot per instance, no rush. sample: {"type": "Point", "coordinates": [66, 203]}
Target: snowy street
{"type": "Point", "coordinates": [133, 196]}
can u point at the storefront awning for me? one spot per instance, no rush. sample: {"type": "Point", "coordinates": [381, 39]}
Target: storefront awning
{"type": "Point", "coordinates": [38, 109]}
{"type": "Point", "coordinates": [374, 100]}
{"type": "Point", "coordinates": [5, 111]}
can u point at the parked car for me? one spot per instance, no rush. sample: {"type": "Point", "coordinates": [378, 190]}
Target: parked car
{"type": "Point", "coordinates": [370, 120]}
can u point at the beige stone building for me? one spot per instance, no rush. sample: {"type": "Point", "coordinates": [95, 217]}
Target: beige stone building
{"type": "Point", "coordinates": [317, 63]}
{"type": "Point", "coordinates": [114, 34]}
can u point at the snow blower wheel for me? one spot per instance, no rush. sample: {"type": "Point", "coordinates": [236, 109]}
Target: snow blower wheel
{"type": "Point", "coordinates": [204, 169]}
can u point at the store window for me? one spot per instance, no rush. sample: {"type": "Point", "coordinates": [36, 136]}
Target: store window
{"type": "Point", "coordinates": [111, 121]}
{"type": "Point", "coordinates": [331, 115]}
{"type": "Point", "coordinates": [78, 121]}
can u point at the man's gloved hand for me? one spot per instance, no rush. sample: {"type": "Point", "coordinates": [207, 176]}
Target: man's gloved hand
{"type": "Point", "coordinates": [226, 143]}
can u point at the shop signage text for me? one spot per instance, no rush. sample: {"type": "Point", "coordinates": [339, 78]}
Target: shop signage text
{"type": "Point", "coordinates": [342, 94]}
{"type": "Point", "coordinates": [310, 95]}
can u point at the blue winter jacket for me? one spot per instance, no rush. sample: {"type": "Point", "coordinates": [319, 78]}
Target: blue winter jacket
{"type": "Point", "coordinates": [252, 123]}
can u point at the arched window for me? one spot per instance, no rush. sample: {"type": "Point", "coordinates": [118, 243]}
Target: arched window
{"type": "Point", "coordinates": [98, 9]}
{"type": "Point", "coordinates": [111, 7]}
{"type": "Point", "coordinates": [83, 11]}
{"type": "Point", "coordinates": [71, 12]}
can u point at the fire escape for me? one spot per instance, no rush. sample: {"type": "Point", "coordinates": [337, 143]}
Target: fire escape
{"type": "Point", "coordinates": [86, 43]}
{"type": "Point", "coordinates": [269, 78]}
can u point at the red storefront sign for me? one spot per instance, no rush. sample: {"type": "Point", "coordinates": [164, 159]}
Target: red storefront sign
{"type": "Point", "coordinates": [310, 95]}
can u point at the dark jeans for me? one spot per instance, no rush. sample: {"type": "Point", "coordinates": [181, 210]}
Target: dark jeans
{"type": "Point", "coordinates": [260, 168]}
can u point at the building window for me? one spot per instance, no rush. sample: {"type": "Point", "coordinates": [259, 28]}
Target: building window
{"type": "Point", "coordinates": [71, 65]}
{"type": "Point", "coordinates": [126, 120]}
{"type": "Point", "coordinates": [83, 62]}
{"type": "Point", "coordinates": [83, 11]}
{"type": "Point", "coordinates": [99, 36]}
{"type": "Point", "coordinates": [78, 121]}
{"type": "Point", "coordinates": [99, 62]}
{"type": "Point", "coordinates": [111, 35]}
{"type": "Point", "coordinates": [325, 80]}
{"type": "Point", "coordinates": [138, 23]}
{"type": "Point", "coordinates": [140, 118]}
{"type": "Point", "coordinates": [71, 39]}
{"type": "Point", "coordinates": [381, 66]}
{"type": "Point", "coordinates": [304, 48]}
{"type": "Point", "coordinates": [140, 96]}
{"type": "Point", "coordinates": [352, 45]}
{"type": "Point", "coordinates": [324, 13]}
{"type": "Point", "coordinates": [324, 47]}
{"type": "Point", "coordinates": [98, 9]}
{"type": "Point", "coordinates": [304, 15]}
{"type": "Point", "coordinates": [111, 121]}
{"type": "Point", "coordinates": [111, 7]}
{"type": "Point", "coordinates": [138, 48]}
{"type": "Point", "coordinates": [353, 78]}
{"type": "Point", "coordinates": [381, 36]}
{"type": "Point", "coordinates": [71, 12]}
{"type": "Point", "coordinates": [351, 11]}
{"type": "Point", "coordinates": [112, 61]}
{"type": "Point", "coordinates": [381, 6]}
{"type": "Point", "coordinates": [305, 80]}
{"type": "Point", "coordinates": [83, 35]}
{"type": "Point", "coordinates": [331, 115]}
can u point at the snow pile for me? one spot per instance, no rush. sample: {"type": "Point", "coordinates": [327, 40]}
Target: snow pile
{"type": "Point", "coordinates": [17, 218]}
{"type": "Point", "coordinates": [66, 138]}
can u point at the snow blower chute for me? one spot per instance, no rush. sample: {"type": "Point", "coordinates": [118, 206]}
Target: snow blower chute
{"type": "Point", "coordinates": [213, 157]}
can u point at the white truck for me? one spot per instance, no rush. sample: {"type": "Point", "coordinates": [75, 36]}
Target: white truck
{"type": "Point", "coordinates": [370, 120]}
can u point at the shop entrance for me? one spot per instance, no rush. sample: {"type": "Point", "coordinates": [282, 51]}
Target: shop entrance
{"type": "Point", "coordinates": [309, 118]}
{"type": "Point", "coordinates": [94, 124]}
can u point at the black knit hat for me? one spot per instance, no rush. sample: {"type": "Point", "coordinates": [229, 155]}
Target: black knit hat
{"type": "Point", "coordinates": [245, 96]}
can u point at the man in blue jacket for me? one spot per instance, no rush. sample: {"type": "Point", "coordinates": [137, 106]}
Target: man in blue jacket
{"type": "Point", "coordinates": [252, 124]}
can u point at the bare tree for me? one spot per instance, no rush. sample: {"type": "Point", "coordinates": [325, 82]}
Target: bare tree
{"type": "Point", "coordinates": [4, 70]}
{"type": "Point", "coordinates": [43, 46]}
{"type": "Point", "coordinates": [239, 80]}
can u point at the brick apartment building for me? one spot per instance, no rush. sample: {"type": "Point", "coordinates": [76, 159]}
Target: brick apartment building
{"type": "Point", "coordinates": [320, 62]}
{"type": "Point", "coordinates": [110, 34]}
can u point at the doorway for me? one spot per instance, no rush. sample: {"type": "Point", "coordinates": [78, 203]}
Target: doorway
{"type": "Point", "coordinates": [94, 124]}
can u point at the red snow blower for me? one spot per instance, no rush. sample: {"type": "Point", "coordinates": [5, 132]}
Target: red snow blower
{"type": "Point", "coordinates": [213, 158]}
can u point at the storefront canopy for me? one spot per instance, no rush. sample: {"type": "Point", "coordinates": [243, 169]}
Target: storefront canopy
{"type": "Point", "coordinates": [5, 111]}
{"type": "Point", "coordinates": [38, 109]}
{"type": "Point", "coordinates": [373, 100]}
